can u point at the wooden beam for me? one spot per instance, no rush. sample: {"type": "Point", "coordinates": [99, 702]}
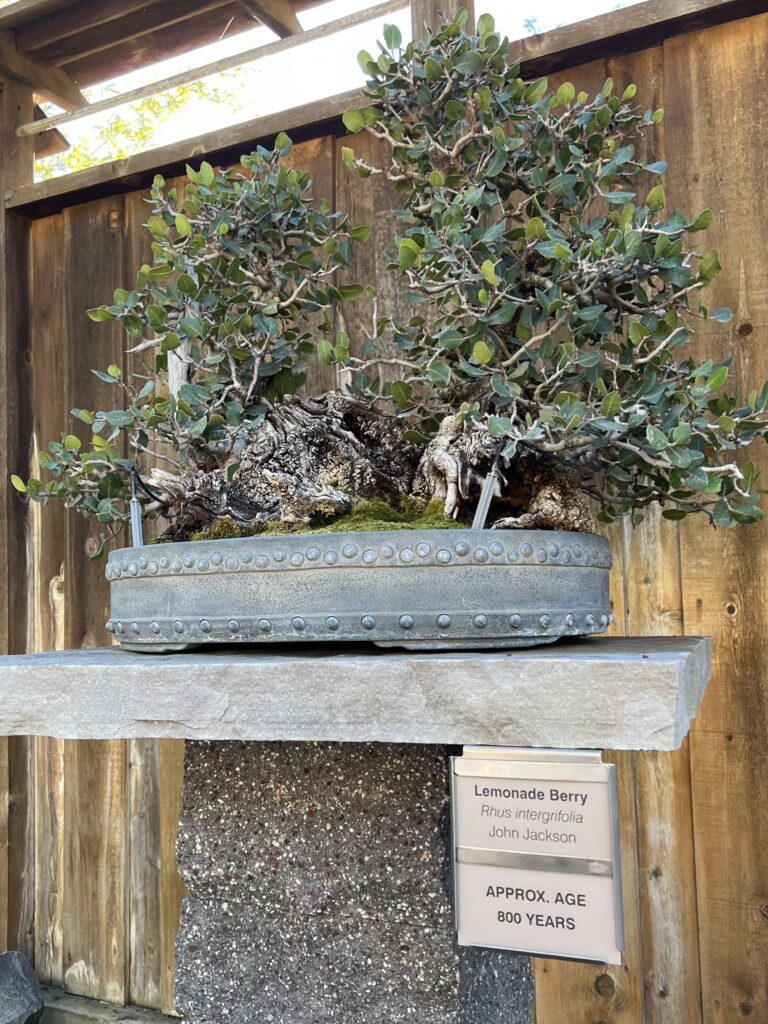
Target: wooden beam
{"type": "Point", "coordinates": [128, 31]}
{"type": "Point", "coordinates": [22, 11]}
{"type": "Point", "coordinates": [224, 146]}
{"type": "Point", "coordinates": [37, 127]}
{"type": "Point", "coordinates": [159, 44]}
{"type": "Point", "coordinates": [633, 28]}
{"type": "Point", "coordinates": [278, 15]}
{"type": "Point", "coordinates": [51, 83]}
{"type": "Point", "coordinates": [50, 142]}
{"type": "Point", "coordinates": [80, 17]}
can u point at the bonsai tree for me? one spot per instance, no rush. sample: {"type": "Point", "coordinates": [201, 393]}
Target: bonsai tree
{"type": "Point", "coordinates": [553, 300]}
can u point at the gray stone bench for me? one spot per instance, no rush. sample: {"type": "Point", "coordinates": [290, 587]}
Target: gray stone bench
{"type": "Point", "coordinates": [318, 860]}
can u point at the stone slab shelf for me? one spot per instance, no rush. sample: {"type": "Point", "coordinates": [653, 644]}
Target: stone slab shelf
{"type": "Point", "coordinates": [616, 693]}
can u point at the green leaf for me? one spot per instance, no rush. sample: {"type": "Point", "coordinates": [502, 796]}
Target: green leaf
{"type": "Point", "coordinates": [353, 121]}
{"type": "Point", "coordinates": [170, 342]}
{"type": "Point", "coordinates": [114, 371]}
{"type": "Point", "coordinates": [485, 24]}
{"type": "Point", "coordinates": [19, 484]}
{"type": "Point", "coordinates": [433, 69]}
{"type": "Point", "coordinates": [348, 158]}
{"type": "Point", "coordinates": [392, 37]}
{"type": "Point", "coordinates": [535, 229]}
{"type": "Point", "coordinates": [183, 226]}
{"type": "Point", "coordinates": [72, 443]}
{"type": "Point", "coordinates": [536, 90]}
{"type": "Point", "coordinates": [206, 173]}
{"type": "Point", "coordinates": [481, 353]}
{"type": "Point", "coordinates": [436, 179]}
{"type": "Point", "coordinates": [611, 404]}
{"type": "Point", "coordinates": [655, 199]}
{"type": "Point", "coordinates": [364, 59]}
{"type": "Point", "coordinates": [100, 314]}
{"type": "Point", "coordinates": [454, 111]}
{"type": "Point", "coordinates": [439, 373]}
{"type": "Point", "coordinates": [499, 426]}
{"type": "Point", "coordinates": [470, 62]}
{"type": "Point", "coordinates": [157, 226]}
{"type": "Point", "coordinates": [155, 317]}
{"type": "Point", "coordinates": [710, 265]}
{"type": "Point", "coordinates": [674, 513]}
{"type": "Point", "coordinates": [401, 393]}
{"type": "Point", "coordinates": [409, 253]}
{"type": "Point", "coordinates": [723, 315]}
{"type": "Point", "coordinates": [702, 222]}
{"type": "Point", "coordinates": [325, 352]}
{"type": "Point", "coordinates": [718, 378]}
{"type": "Point", "coordinates": [350, 291]}
{"type": "Point", "coordinates": [629, 93]}
{"type": "Point", "coordinates": [656, 438]}
{"type": "Point", "coordinates": [637, 333]}
{"type": "Point", "coordinates": [361, 233]}
{"type": "Point", "coordinates": [565, 94]}
{"type": "Point", "coordinates": [488, 270]}
{"type": "Point", "coordinates": [283, 144]}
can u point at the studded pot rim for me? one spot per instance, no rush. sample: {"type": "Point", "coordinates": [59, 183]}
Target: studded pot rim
{"type": "Point", "coordinates": [425, 589]}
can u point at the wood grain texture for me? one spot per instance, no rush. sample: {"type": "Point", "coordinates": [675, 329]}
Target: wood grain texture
{"type": "Point", "coordinates": [666, 872]}
{"type": "Point", "coordinates": [16, 860]}
{"type": "Point", "coordinates": [572, 993]}
{"type": "Point", "coordinates": [51, 83]}
{"type": "Point", "coordinates": [719, 78]}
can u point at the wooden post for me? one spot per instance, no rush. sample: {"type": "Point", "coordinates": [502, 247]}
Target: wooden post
{"type": "Point", "coordinates": [430, 14]}
{"type": "Point", "coordinates": [16, 168]}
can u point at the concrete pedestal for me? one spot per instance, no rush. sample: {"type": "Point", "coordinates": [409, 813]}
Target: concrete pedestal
{"type": "Point", "coordinates": [319, 878]}
{"type": "Point", "coordinates": [318, 858]}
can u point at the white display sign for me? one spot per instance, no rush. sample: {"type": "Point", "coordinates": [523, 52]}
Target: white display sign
{"type": "Point", "coordinates": [536, 854]}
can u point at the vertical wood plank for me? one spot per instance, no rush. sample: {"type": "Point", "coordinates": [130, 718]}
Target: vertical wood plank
{"type": "Point", "coordinates": [94, 870]}
{"type": "Point", "coordinates": [16, 169]}
{"type": "Point", "coordinates": [717, 112]}
{"type": "Point", "coordinates": [431, 14]}
{"type": "Point", "coordinates": [573, 993]}
{"type": "Point", "coordinates": [94, 808]}
{"type": "Point", "coordinates": [666, 874]}
{"type": "Point", "coordinates": [46, 605]}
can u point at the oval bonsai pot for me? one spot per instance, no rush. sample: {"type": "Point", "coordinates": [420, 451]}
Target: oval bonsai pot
{"type": "Point", "coordinates": [423, 589]}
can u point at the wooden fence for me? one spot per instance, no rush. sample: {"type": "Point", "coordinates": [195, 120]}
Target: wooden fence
{"type": "Point", "coordinates": [88, 838]}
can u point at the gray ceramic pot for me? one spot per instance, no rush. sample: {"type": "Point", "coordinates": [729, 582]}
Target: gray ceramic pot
{"type": "Point", "coordinates": [431, 589]}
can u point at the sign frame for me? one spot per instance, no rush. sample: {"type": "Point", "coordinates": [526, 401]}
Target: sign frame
{"type": "Point", "coordinates": [546, 764]}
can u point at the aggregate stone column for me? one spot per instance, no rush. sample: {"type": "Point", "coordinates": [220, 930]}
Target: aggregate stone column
{"type": "Point", "coordinates": [320, 890]}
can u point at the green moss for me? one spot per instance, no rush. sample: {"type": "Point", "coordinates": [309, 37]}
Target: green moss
{"type": "Point", "coordinates": [366, 517]}
{"type": "Point", "coordinates": [222, 529]}
{"type": "Point", "coordinates": [373, 515]}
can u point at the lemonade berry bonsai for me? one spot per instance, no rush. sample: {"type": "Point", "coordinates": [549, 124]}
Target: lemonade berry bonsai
{"type": "Point", "coordinates": [553, 300]}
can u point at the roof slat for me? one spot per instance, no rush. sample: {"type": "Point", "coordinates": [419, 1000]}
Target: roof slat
{"type": "Point", "coordinates": [129, 55]}
{"type": "Point", "coordinates": [279, 15]}
{"type": "Point", "coordinates": [128, 29]}
{"type": "Point", "coordinates": [22, 11]}
{"type": "Point", "coordinates": [80, 16]}
{"type": "Point", "coordinates": [50, 83]}
{"type": "Point", "coordinates": [195, 74]}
